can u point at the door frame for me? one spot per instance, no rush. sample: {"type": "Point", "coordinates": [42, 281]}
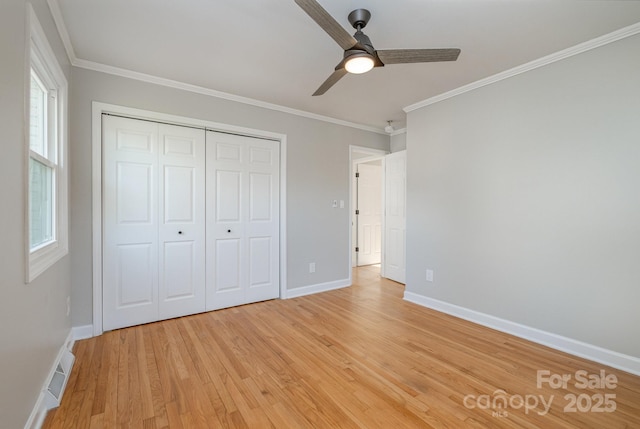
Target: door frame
{"type": "Point", "coordinates": [374, 154]}
{"type": "Point", "coordinates": [97, 109]}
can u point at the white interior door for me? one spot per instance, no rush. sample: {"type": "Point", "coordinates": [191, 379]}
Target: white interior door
{"type": "Point", "coordinates": [395, 216]}
{"type": "Point", "coordinates": [369, 213]}
{"type": "Point", "coordinates": [153, 220]}
{"type": "Point", "coordinates": [242, 220]}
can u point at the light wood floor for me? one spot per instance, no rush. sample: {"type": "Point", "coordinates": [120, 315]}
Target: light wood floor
{"type": "Point", "coordinates": [359, 357]}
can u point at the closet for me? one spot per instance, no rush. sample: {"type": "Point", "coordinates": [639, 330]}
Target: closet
{"type": "Point", "coordinates": [190, 220]}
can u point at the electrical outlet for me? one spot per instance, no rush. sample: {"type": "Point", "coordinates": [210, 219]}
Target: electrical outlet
{"type": "Point", "coordinates": [429, 275]}
{"type": "Point", "coordinates": [312, 267]}
{"type": "Point", "coordinates": [341, 204]}
{"type": "Point", "coordinates": [334, 204]}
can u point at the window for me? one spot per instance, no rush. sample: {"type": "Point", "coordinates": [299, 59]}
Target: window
{"type": "Point", "coordinates": [46, 199]}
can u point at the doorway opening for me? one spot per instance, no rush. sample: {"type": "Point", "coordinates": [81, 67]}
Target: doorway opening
{"type": "Point", "coordinates": [386, 196]}
{"type": "Point", "coordinates": [366, 201]}
{"type": "Point", "coordinates": [368, 213]}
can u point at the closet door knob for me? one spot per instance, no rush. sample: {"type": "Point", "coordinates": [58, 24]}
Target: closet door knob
{"type": "Point", "coordinates": [228, 230]}
{"type": "Point", "coordinates": [180, 232]}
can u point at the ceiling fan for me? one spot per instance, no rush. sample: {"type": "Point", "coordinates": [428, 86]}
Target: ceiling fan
{"type": "Point", "coordinates": [359, 54]}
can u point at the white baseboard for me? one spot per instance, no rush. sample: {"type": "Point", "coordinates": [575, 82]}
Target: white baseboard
{"type": "Point", "coordinates": [82, 332]}
{"type": "Point", "coordinates": [39, 411]}
{"type": "Point", "coordinates": [317, 288]}
{"type": "Point", "coordinates": [611, 358]}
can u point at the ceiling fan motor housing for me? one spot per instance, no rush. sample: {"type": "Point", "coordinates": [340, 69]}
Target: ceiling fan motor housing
{"type": "Point", "coordinates": [364, 46]}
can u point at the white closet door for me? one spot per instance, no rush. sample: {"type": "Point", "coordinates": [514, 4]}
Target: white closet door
{"type": "Point", "coordinates": [395, 217]}
{"type": "Point", "coordinates": [242, 220]}
{"type": "Point", "coordinates": [130, 222]}
{"type": "Point", "coordinates": [182, 221]}
{"type": "Point", "coordinates": [154, 237]}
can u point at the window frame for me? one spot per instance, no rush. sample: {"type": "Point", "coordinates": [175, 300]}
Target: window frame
{"type": "Point", "coordinates": [41, 61]}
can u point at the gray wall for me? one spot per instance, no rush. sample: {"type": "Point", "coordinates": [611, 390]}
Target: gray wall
{"type": "Point", "coordinates": [398, 142]}
{"type": "Point", "coordinates": [317, 173]}
{"type": "Point", "coordinates": [524, 198]}
{"type": "Point", "coordinates": [33, 321]}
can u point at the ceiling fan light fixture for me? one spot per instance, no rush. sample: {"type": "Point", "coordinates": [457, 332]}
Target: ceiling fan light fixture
{"type": "Point", "coordinates": [359, 63]}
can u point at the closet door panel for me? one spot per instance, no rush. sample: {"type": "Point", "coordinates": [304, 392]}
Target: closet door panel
{"type": "Point", "coordinates": [263, 219]}
{"type": "Point", "coordinates": [182, 221]}
{"type": "Point", "coordinates": [130, 222]}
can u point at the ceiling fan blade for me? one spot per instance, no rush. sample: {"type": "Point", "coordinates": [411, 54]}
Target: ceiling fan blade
{"type": "Point", "coordinates": [335, 77]}
{"type": "Point", "coordinates": [328, 24]}
{"type": "Point", "coordinates": [403, 56]}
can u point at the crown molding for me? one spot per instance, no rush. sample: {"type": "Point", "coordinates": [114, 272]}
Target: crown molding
{"type": "Point", "coordinates": [532, 65]}
{"type": "Point", "coordinates": [56, 13]}
{"type": "Point", "coordinates": [541, 62]}
{"type": "Point", "coordinates": [90, 65]}
{"type": "Point", "coordinates": [54, 6]}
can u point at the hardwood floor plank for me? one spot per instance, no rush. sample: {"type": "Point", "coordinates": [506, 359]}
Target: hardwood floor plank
{"type": "Point", "coordinates": [110, 418]}
{"type": "Point", "coordinates": [155, 386]}
{"type": "Point", "coordinates": [149, 423]}
{"type": "Point", "coordinates": [84, 414]}
{"type": "Point", "coordinates": [97, 421]}
{"type": "Point", "coordinates": [192, 347]}
{"type": "Point", "coordinates": [86, 375]}
{"type": "Point", "coordinates": [102, 362]}
{"type": "Point", "coordinates": [175, 422]}
{"type": "Point", "coordinates": [144, 373]}
{"type": "Point", "coordinates": [359, 357]}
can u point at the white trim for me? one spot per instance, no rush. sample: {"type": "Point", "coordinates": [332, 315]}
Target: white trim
{"type": "Point", "coordinates": [318, 288]}
{"type": "Point", "coordinates": [398, 132]}
{"type": "Point", "coordinates": [56, 13]}
{"type": "Point", "coordinates": [96, 214]}
{"type": "Point", "coordinates": [40, 57]}
{"type": "Point", "coordinates": [283, 217]}
{"type": "Point", "coordinates": [540, 62]}
{"type": "Point", "coordinates": [97, 110]}
{"type": "Point", "coordinates": [82, 332]}
{"type": "Point", "coordinates": [581, 349]}
{"type": "Point", "coordinates": [39, 410]}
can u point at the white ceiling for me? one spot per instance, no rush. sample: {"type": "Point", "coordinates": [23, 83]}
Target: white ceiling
{"type": "Point", "coordinates": [271, 51]}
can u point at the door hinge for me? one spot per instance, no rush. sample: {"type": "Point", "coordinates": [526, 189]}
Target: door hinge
{"type": "Point", "coordinates": [357, 174]}
{"type": "Point", "coordinates": [357, 249]}
{"type": "Point", "coordinates": [357, 212]}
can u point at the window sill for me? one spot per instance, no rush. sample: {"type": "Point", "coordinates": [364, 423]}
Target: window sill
{"type": "Point", "coordinates": [44, 258]}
